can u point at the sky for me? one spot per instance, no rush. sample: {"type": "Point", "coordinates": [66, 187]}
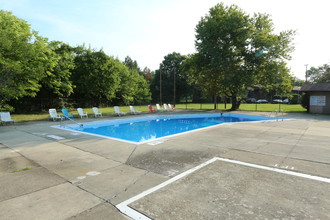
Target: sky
{"type": "Point", "coordinates": [148, 30]}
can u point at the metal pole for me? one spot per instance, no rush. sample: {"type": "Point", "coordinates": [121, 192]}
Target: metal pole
{"type": "Point", "coordinates": [306, 72]}
{"type": "Point", "coordinates": [174, 89]}
{"type": "Point", "coordinates": [160, 84]}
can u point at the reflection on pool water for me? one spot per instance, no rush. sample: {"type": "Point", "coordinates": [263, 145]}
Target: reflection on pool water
{"type": "Point", "coordinates": [148, 128]}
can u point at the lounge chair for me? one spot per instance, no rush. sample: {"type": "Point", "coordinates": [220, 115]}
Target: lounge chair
{"type": "Point", "coordinates": [96, 112]}
{"type": "Point", "coordinates": [171, 107]}
{"type": "Point", "coordinates": [53, 114]}
{"type": "Point", "coordinates": [82, 113]}
{"type": "Point", "coordinates": [5, 117]}
{"type": "Point", "coordinates": [133, 111]}
{"type": "Point", "coordinates": [166, 108]}
{"type": "Point", "coordinates": [66, 113]}
{"type": "Point", "coordinates": [151, 109]}
{"type": "Point", "coordinates": [118, 112]}
{"type": "Point", "coordinates": [159, 109]}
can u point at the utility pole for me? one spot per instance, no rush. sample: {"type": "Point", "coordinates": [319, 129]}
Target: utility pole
{"type": "Point", "coordinates": [174, 89]}
{"type": "Point", "coordinates": [306, 73]}
{"type": "Point", "coordinates": [160, 84]}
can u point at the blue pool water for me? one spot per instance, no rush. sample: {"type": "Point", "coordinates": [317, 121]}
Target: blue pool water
{"type": "Point", "coordinates": [142, 129]}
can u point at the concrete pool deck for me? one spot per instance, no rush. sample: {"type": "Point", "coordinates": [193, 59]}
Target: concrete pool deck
{"type": "Point", "coordinates": [78, 176]}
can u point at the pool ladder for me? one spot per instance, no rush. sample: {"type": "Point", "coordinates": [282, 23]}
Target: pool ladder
{"type": "Point", "coordinates": [61, 121]}
{"type": "Point", "coordinates": [277, 114]}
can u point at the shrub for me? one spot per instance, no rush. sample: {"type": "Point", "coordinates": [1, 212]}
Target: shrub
{"type": "Point", "coordinates": [305, 101]}
{"type": "Point", "coordinates": [296, 99]}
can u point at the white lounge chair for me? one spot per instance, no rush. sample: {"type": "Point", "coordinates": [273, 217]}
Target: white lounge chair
{"type": "Point", "coordinates": [5, 117]}
{"type": "Point", "coordinates": [118, 112]}
{"type": "Point", "coordinates": [96, 112]}
{"type": "Point", "coordinates": [82, 113]}
{"type": "Point", "coordinates": [53, 114]}
{"type": "Point", "coordinates": [133, 111]}
{"type": "Point", "coordinates": [166, 108]}
{"type": "Point", "coordinates": [170, 107]}
{"type": "Point", "coordinates": [159, 109]}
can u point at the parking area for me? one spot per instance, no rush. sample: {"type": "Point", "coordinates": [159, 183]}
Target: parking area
{"type": "Point", "coordinates": [47, 173]}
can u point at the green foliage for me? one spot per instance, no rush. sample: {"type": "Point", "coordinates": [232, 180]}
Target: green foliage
{"type": "Point", "coordinates": [296, 99]}
{"type": "Point", "coordinates": [305, 101]}
{"type": "Point", "coordinates": [36, 74]}
{"type": "Point", "coordinates": [173, 79]}
{"type": "Point", "coordinates": [142, 94]}
{"type": "Point", "coordinates": [23, 169]}
{"type": "Point", "coordinates": [99, 77]}
{"type": "Point", "coordinates": [297, 82]}
{"type": "Point", "coordinates": [132, 64]}
{"type": "Point", "coordinates": [128, 86]}
{"type": "Point", "coordinates": [96, 76]}
{"type": "Point", "coordinates": [244, 107]}
{"type": "Point", "coordinates": [58, 79]}
{"type": "Point", "coordinates": [227, 42]}
{"type": "Point", "coordinates": [25, 59]}
{"type": "Point", "coordinates": [137, 86]}
{"type": "Point", "coordinates": [319, 74]}
{"type": "Point", "coordinates": [277, 97]}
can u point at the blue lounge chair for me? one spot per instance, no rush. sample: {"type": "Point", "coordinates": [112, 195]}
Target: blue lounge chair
{"type": "Point", "coordinates": [66, 113]}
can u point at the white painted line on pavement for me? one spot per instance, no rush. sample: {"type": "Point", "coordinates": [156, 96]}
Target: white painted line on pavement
{"type": "Point", "coordinates": [318, 178]}
{"type": "Point", "coordinates": [124, 208]}
{"type": "Point", "coordinates": [55, 137]}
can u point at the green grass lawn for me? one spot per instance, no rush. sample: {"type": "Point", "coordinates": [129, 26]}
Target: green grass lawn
{"type": "Point", "coordinates": [208, 106]}
{"type": "Point", "coordinates": [45, 115]}
{"type": "Point", "coordinates": [247, 107]}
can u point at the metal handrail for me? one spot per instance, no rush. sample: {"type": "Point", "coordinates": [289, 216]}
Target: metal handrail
{"type": "Point", "coordinates": [277, 112]}
{"type": "Point", "coordinates": [81, 125]}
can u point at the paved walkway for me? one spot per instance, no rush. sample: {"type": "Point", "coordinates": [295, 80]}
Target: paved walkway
{"type": "Point", "coordinates": [86, 177]}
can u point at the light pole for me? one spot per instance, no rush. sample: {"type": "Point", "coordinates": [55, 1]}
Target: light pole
{"type": "Point", "coordinates": [306, 73]}
{"type": "Point", "coordinates": [160, 83]}
{"type": "Point", "coordinates": [174, 89]}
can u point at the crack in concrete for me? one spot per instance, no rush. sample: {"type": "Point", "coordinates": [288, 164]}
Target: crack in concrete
{"type": "Point", "coordinates": [130, 185]}
{"type": "Point", "coordinates": [296, 144]}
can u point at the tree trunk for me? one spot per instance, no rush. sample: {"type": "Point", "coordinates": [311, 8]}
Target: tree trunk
{"type": "Point", "coordinates": [235, 103]}
{"type": "Point", "coordinates": [225, 102]}
{"type": "Point", "coordinates": [215, 102]}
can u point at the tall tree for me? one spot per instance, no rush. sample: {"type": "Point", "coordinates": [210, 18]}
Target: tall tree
{"type": "Point", "coordinates": [319, 74]}
{"type": "Point", "coordinates": [135, 85]}
{"type": "Point", "coordinates": [58, 80]}
{"type": "Point", "coordinates": [96, 76]}
{"type": "Point", "coordinates": [174, 83]}
{"type": "Point", "coordinates": [131, 64]}
{"type": "Point", "coordinates": [235, 51]}
{"type": "Point", "coordinates": [297, 82]}
{"type": "Point", "coordinates": [25, 59]}
{"type": "Point", "coordinates": [147, 74]}
{"type": "Point", "coordinates": [55, 85]}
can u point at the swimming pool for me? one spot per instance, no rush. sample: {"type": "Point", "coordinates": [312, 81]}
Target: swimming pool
{"type": "Point", "coordinates": [143, 129]}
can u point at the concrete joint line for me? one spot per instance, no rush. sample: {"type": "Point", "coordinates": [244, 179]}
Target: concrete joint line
{"type": "Point", "coordinates": [125, 209]}
{"type": "Point", "coordinates": [132, 184]}
{"type": "Point", "coordinates": [295, 145]}
{"type": "Point", "coordinates": [129, 157]}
